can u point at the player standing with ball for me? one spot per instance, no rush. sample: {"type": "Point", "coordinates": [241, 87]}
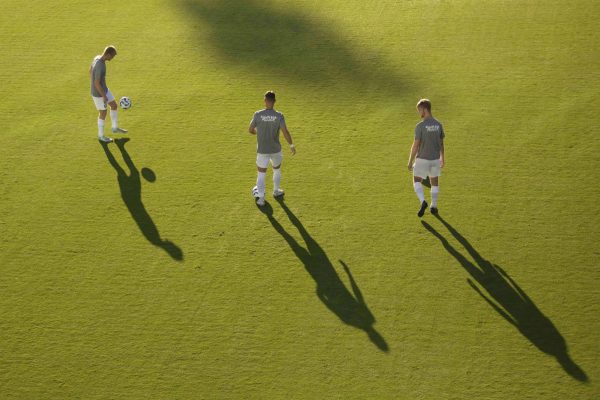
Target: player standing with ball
{"type": "Point", "coordinates": [266, 125]}
{"type": "Point", "coordinates": [427, 155]}
{"type": "Point", "coordinates": [102, 95]}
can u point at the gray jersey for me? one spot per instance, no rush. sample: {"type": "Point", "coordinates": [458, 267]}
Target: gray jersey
{"type": "Point", "coordinates": [430, 132]}
{"type": "Point", "coordinates": [268, 123]}
{"type": "Point", "coordinates": [98, 72]}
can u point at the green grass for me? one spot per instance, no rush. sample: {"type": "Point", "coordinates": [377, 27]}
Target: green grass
{"type": "Point", "coordinates": [248, 304]}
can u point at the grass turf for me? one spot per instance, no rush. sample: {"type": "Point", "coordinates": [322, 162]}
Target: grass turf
{"type": "Point", "coordinates": [115, 287]}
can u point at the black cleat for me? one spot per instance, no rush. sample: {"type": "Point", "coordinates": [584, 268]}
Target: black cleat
{"type": "Point", "coordinates": [434, 210]}
{"type": "Point", "coordinates": [423, 208]}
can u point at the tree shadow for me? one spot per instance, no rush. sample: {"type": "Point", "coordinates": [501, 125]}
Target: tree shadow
{"type": "Point", "coordinates": [507, 298]}
{"type": "Point", "coordinates": [131, 193]}
{"type": "Point", "coordinates": [266, 38]}
{"type": "Point", "coordinates": [350, 307]}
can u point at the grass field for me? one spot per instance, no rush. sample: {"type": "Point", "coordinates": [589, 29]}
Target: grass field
{"type": "Point", "coordinates": [114, 287]}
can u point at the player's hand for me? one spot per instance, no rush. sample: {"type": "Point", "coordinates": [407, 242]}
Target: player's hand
{"type": "Point", "coordinates": [293, 149]}
{"type": "Point", "coordinates": [410, 167]}
{"type": "Point", "coordinates": [442, 163]}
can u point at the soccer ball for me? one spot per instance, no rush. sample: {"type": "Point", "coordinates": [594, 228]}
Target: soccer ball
{"type": "Point", "coordinates": [125, 103]}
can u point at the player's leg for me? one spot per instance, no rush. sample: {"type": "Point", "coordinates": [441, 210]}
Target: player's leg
{"type": "Point", "coordinates": [420, 173]}
{"type": "Point", "coordinates": [261, 186]}
{"type": "Point", "coordinates": [276, 160]}
{"type": "Point", "coordinates": [114, 118]}
{"type": "Point", "coordinates": [434, 172]}
{"type": "Point", "coordinates": [262, 162]}
{"type": "Point", "coordinates": [101, 122]}
{"type": "Point", "coordinates": [101, 107]}
{"type": "Point", "coordinates": [418, 186]}
{"type": "Point", "coordinates": [435, 190]}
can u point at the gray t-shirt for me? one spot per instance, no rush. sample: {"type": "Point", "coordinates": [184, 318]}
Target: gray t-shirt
{"type": "Point", "coordinates": [430, 132]}
{"type": "Point", "coordinates": [98, 72]}
{"type": "Point", "coordinates": [267, 123]}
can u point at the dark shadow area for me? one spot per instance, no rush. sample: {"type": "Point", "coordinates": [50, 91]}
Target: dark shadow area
{"type": "Point", "coordinates": [350, 307]}
{"type": "Point", "coordinates": [266, 38]}
{"type": "Point", "coordinates": [507, 298]}
{"type": "Point", "coordinates": [131, 193]}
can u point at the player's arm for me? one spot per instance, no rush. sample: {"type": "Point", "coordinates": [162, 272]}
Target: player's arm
{"type": "Point", "coordinates": [288, 138]}
{"type": "Point", "coordinates": [100, 89]}
{"type": "Point", "coordinates": [252, 127]}
{"type": "Point", "coordinates": [442, 156]}
{"type": "Point", "coordinates": [413, 153]}
{"type": "Point", "coordinates": [98, 86]}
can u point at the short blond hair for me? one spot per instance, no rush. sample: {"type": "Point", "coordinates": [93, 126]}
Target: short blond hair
{"type": "Point", "coordinates": [270, 95]}
{"type": "Point", "coordinates": [425, 103]}
{"type": "Point", "coordinates": [110, 50]}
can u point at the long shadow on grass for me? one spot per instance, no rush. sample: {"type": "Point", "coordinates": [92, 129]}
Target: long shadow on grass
{"type": "Point", "coordinates": [267, 38]}
{"type": "Point", "coordinates": [507, 298]}
{"type": "Point", "coordinates": [131, 193]}
{"type": "Point", "coordinates": [350, 307]}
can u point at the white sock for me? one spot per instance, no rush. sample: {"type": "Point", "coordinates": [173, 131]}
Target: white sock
{"type": "Point", "coordinates": [100, 127]}
{"type": "Point", "coordinates": [434, 195]}
{"type": "Point", "coordinates": [113, 119]}
{"type": "Point", "coordinates": [419, 191]}
{"type": "Point", "coordinates": [260, 184]}
{"type": "Point", "coordinates": [276, 179]}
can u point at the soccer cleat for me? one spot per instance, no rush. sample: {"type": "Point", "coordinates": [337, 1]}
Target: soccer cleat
{"type": "Point", "coordinates": [434, 210]}
{"type": "Point", "coordinates": [119, 130]}
{"type": "Point", "coordinates": [255, 192]}
{"type": "Point", "coordinates": [423, 208]}
{"type": "Point", "coordinates": [260, 201]}
{"type": "Point", "coordinates": [278, 193]}
{"type": "Point", "coordinates": [105, 139]}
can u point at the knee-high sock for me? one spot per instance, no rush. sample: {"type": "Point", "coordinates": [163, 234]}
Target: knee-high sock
{"type": "Point", "coordinates": [419, 191]}
{"type": "Point", "coordinates": [260, 184]}
{"type": "Point", "coordinates": [276, 179]}
{"type": "Point", "coordinates": [100, 127]}
{"type": "Point", "coordinates": [113, 119]}
{"type": "Point", "coordinates": [435, 190]}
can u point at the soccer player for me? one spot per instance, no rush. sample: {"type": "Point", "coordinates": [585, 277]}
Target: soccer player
{"type": "Point", "coordinates": [102, 95]}
{"type": "Point", "coordinates": [427, 155]}
{"type": "Point", "coordinates": [266, 125]}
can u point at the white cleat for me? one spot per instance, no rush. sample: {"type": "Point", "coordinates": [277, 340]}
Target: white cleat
{"type": "Point", "coordinates": [278, 193]}
{"type": "Point", "coordinates": [255, 192]}
{"type": "Point", "coordinates": [105, 139]}
{"type": "Point", "coordinates": [260, 201]}
{"type": "Point", "coordinates": [119, 130]}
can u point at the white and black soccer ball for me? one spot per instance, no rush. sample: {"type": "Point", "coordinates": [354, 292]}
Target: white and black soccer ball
{"type": "Point", "coordinates": [125, 103]}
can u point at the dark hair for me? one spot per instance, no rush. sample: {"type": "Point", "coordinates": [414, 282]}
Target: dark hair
{"type": "Point", "coordinates": [270, 95]}
{"type": "Point", "coordinates": [425, 103]}
{"type": "Point", "coordinates": [110, 50]}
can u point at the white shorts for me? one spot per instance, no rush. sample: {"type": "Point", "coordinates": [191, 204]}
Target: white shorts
{"type": "Point", "coordinates": [262, 160]}
{"type": "Point", "coordinates": [427, 168]}
{"type": "Point", "coordinates": [99, 101]}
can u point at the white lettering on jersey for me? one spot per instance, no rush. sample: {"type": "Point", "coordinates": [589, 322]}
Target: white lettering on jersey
{"type": "Point", "coordinates": [268, 118]}
{"type": "Point", "coordinates": [432, 128]}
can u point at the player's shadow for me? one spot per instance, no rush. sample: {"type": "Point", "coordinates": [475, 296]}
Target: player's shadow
{"type": "Point", "coordinates": [509, 300]}
{"type": "Point", "coordinates": [350, 307]}
{"type": "Point", "coordinates": [284, 43]}
{"type": "Point", "coordinates": [131, 193]}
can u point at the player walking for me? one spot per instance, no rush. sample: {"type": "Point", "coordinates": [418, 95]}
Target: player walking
{"type": "Point", "coordinates": [428, 148]}
{"type": "Point", "coordinates": [102, 95]}
{"type": "Point", "coordinates": [266, 125]}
